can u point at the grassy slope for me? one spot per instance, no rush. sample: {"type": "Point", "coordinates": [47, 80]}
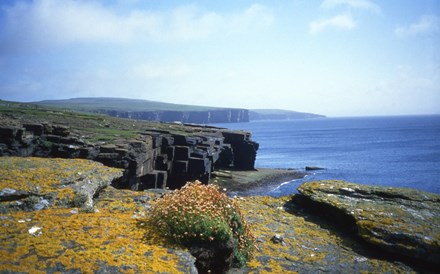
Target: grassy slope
{"type": "Point", "coordinates": [120, 104]}
{"type": "Point", "coordinates": [91, 127]}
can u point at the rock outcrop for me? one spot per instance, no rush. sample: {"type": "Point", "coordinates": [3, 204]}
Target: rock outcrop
{"type": "Point", "coordinates": [403, 222]}
{"type": "Point", "coordinates": [116, 237]}
{"type": "Point", "coordinates": [154, 155]}
{"type": "Point", "coordinates": [66, 237]}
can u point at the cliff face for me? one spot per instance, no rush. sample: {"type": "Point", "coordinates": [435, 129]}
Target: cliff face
{"type": "Point", "coordinates": [150, 157]}
{"type": "Point", "coordinates": [197, 117]}
{"type": "Point", "coordinates": [279, 114]}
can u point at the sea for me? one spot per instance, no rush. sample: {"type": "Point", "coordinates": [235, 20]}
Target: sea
{"type": "Point", "coordinates": [397, 151]}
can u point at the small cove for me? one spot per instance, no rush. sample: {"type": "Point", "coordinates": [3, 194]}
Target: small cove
{"type": "Point", "coordinates": [398, 151]}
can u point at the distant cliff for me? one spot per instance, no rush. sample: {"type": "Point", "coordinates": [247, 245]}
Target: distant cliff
{"type": "Point", "coordinates": [196, 117]}
{"type": "Point", "coordinates": [279, 114]}
{"type": "Point", "coordinates": [166, 112]}
{"type": "Point", "coordinates": [151, 110]}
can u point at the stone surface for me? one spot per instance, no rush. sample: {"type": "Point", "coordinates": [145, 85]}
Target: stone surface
{"type": "Point", "coordinates": [311, 245]}
{"type": "Point", "coordinates": [33, 183]}
{"type": "Point", "coordinates": [111, 238]}
{"type": "Point", "coordinates": [401, 221]}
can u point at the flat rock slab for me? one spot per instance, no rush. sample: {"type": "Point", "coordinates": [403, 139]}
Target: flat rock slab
{"type": "Point", "coordinates": [290, 241]}
{"type": "Point", "coordinates": [399, 220]}
{"type": "Point", "coordinates": [34, 183]}
{"type": "Point", "coordinates": [112, 237]}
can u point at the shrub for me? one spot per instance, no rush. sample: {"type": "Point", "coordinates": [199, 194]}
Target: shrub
{"type": "Point", "coordinates": [200, 214]}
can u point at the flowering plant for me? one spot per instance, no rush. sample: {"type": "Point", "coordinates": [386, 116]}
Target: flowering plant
{"type": "Point", "coordinates": [200, 213]}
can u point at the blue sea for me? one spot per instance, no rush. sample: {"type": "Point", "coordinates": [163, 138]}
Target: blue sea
{"type": "Point", "coordinates": [398, 151]}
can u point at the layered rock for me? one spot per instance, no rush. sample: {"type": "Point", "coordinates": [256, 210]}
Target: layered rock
{"type": "Point", "coordinates": [401, 221]}
{"type": "Point", "coordinates": [153, 159]}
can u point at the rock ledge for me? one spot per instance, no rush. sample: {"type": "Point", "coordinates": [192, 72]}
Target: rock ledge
{"type": "Point", "coordinates": [400, 221]}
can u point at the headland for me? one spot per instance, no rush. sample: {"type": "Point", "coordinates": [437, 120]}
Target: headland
{"type": "Point", "coordinates": [77, 198]}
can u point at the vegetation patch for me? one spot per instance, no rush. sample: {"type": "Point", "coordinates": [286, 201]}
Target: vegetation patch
{"type": "Point", "coordinates": [200, 214]}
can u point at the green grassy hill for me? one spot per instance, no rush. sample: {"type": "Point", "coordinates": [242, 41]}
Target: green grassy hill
{"type": "Point", "coordinates": [119, 104]}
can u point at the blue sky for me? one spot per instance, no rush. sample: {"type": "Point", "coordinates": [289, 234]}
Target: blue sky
{"type": "Point", "coordinates": [333, 57]}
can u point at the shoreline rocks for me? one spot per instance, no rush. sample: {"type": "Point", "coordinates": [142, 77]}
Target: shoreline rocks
{"type": "Point", "coordinates": [311, 168]}
{"type": "Point", "coordinates": [248, 182]}
{"type": "Point", "coordinates": [402, 222]}
{"type": "Point", "coordinates": [115, 236]}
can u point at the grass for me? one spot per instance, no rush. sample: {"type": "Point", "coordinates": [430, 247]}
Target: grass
{"type": "Point", "coordinates": [87, 126]}
{"type": "Point", "coordinates": [120, 104]}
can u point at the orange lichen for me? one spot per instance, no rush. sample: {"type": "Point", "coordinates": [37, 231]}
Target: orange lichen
{"type": "Point", "coordinates": [42, 176]}
{"type": "Point", "coordinates": [114, 235]}
{"type": "Point", "coordinates": [79, 241]}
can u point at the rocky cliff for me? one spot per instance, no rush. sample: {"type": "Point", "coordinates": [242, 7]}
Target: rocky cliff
{"type": "Point", "coordinates": [153, 155]}
{"type": "Point", "coordinates": [197, 117]}
{"type": "Point", "coordinates": [279, 114]}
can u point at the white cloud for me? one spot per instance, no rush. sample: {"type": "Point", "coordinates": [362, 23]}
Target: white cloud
{"type": "Point", "coordinates": [426, 24]}
{"type": "Point", "coordinates": [355, 4]}
{"type": "Point", "coordinates": [52, 22]}
{"type": "Point", "coordinates": [341, 21]}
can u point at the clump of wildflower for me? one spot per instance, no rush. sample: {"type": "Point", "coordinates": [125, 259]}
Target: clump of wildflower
{"type": "Point", "coordinates": [200, 213]}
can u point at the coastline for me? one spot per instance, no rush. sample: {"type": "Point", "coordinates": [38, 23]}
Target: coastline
{"type": "Point", "coordinates": [249, 182]}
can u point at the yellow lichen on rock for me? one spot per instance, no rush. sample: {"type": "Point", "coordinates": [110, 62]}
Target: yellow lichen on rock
{"type": "Point", "coordinates": [43, 175]}
{"type": "Point", "coordinates": [306, 246]}
{"type": "Point", "coordinates": [80, 241]}
{"type": "Point", "coordinates": [112, 237]}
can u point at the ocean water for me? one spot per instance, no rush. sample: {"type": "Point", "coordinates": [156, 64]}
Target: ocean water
{"type": "Point", "coordinates": [399, 151]}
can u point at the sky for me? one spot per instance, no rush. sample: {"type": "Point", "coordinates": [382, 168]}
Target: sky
{"type": "Point", "coordinates": [331, 57]}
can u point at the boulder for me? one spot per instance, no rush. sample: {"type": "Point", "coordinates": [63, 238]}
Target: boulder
{"type": "Point", "coordinates": [403, 222]}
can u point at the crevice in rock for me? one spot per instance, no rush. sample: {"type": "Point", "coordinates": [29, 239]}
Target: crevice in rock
{"type": "Point", "coordinates": [344, 225]}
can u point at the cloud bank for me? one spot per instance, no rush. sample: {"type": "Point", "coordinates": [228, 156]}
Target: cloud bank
{"type": "Point", "coordinates": [426, 24]}
{"type": "Point", "coordinates": [52, 23]}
